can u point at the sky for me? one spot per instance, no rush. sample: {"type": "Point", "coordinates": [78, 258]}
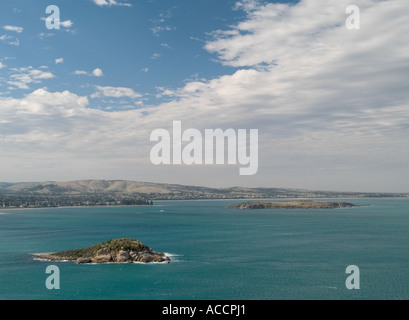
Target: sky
{"type": "Point", "coordinates": [330, 103]}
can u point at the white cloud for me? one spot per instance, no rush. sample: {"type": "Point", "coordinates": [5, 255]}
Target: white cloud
{"type": "Point", "coordinates": [155, 56]}
{"type": "Point", "coordinates": [67, 24]}
{"type": "Point", "coordinates": [163, 92]}
{"type": "Point", "coordinates": [165, 45]}
{"type": "Point", "coordinates": [97, 72]}
{"type": "Point", "coordinates": [27, 75]}
{"type": "Point", "coordinates": [76, 137]}
{"type": "Point", "coordinates": [59, 60]}
{"type": "Point", "coordinates": [160, 23]}
{"type": "Point", "coordinates": [13, 28]}
{"type": "Point", "coordinates": [111, 3]}
{"type": "Point", "coordinates": [42, 102]}
{"type": "Point", "coordinates": [44, 35]}
{"type": "Point", "coordinates": [11, 40]}
{"type": "Point", "coordinates": [315, 90]}
{"type": "Point", "coordinates": [116, 92]}
{"type": "Point", "coordinates": [331, 106]}
{"type": "Point", "coordinates": [80, 72]}
{"type": "Point", "coordinates": [2, 65]}
{"type": "Point", "coordinates": [145, 69]}
{"type": "Point", "coordinates": [156, 30]}
{"type": "Point", "coordinates": [15, 42]}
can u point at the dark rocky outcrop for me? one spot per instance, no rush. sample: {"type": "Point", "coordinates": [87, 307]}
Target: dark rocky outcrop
{"type": "Point", "coordinates": [115, 250]}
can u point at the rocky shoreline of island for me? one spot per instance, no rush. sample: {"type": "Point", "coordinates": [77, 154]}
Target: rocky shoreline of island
{"type": "Point", "coordinates": [296, 204]}
{"type": "Point", "coordinates": [122, 250]}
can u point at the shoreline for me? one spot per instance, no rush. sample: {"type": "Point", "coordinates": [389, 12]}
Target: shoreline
{"type": "Point", "coordinates": [37, 257]}
{"type": "Point", "coordinates": [292, 204]}
{"type": "Point", "coordinates": [179, 200]}
{"type": "Point", "coordinates": [67, 207]}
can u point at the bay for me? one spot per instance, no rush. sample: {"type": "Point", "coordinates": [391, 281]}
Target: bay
{"type": "Point", "coordinates": [217, 253]}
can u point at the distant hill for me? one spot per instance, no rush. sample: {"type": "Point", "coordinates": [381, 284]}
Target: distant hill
{"type": "Point", "coordinates": [157, 191]}
{"type": "Point", "coordinates": [83, 186]}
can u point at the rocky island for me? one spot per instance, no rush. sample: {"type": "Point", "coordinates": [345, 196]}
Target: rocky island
{"type": "Point", "coordinates": [299, 204]}
{"type": "Point", "coordinates": [115, 250]}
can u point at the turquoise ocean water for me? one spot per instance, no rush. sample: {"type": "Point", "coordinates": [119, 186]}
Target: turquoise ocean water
{"type": "Point", "coordinates": [218, 253]}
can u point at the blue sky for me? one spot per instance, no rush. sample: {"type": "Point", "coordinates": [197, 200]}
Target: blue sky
{"type": "Point", "coordinates": [145, 46]}
{"type": "Point", "coordinates": [330, 104]}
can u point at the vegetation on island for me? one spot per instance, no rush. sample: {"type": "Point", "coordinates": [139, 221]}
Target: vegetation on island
{"type": "Point", "coordinates": [303, 204]}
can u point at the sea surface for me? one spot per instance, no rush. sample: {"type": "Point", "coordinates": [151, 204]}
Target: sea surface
{"type": "Point", "coordinates": [217, 253]}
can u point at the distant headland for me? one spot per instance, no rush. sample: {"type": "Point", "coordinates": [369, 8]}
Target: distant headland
{"type": "Point", "coordinates": [115, 250]}
{"type": "Point", "coordinates": [130, 193]}
{"type": "Point", "coordinates": [305, 204]}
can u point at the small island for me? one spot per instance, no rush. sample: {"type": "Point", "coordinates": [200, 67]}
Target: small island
{"type": "Point", "coordinates": [115, 250]}
{"type": "Point", "coordinates": [299, 204]}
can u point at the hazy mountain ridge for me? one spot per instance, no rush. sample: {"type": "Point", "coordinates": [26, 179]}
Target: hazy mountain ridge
{"type": "Point", "coordinates": [165, 191]}
{"type": "Point", "coordinates": [82, 186]}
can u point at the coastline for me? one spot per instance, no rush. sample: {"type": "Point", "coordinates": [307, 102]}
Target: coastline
{"type": "Point", "coordinates": [198, 200]}
{"type": "Point", "coordinates": [166, 255]}
{"type": "Point", "coordinates": [292, 204]}
{"type": "Point", "coordinates": [66, 207]}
